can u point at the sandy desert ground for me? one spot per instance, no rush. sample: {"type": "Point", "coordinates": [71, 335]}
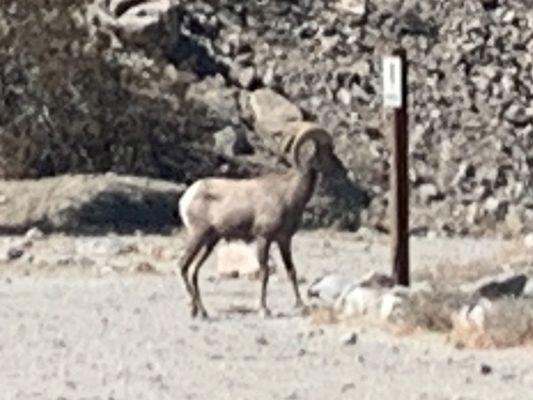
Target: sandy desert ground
{"type": "Point", "coordinates": [88, 318]}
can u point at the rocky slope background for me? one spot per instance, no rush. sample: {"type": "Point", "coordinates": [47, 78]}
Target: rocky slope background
{"type": "Point", "coordinates": [183, 89]}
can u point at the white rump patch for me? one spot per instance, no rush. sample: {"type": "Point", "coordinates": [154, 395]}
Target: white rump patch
{"type": "Point", "coordinates": [185, 202]}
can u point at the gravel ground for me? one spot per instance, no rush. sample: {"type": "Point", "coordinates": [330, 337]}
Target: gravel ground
{"type": "Point", "coordinates": [74, 324]}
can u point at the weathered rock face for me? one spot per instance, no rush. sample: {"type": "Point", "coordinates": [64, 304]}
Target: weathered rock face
{"type": "Point", "coordinates": [134, 86]}
{"type": "Point", "coordinates": [89, 204]}
{"type": "Point", "coordinates": [78, 102]}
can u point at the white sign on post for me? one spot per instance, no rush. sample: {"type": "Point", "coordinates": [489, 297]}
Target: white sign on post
{"type": "Point", "coordinates": [392, 81]}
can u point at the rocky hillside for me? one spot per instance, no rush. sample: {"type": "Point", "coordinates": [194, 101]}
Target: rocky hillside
{"type": "Point", "coordinates": [182, 89]}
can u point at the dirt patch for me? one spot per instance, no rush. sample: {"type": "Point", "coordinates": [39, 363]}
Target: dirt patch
{"type": "Point", "coordinates": [68, 330]}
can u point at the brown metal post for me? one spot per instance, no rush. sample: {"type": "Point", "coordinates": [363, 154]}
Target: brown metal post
{"type": "Point", "coordinates": [400, 183]}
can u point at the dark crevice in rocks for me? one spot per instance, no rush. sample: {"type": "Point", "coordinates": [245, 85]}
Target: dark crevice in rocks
{"type": "Point", "coordinates": [188, 54]}
{"type": "Point", "coordinates": [490, 5]}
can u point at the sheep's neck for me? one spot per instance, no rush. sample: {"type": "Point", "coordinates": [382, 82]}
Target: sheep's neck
{"type": "Point", "coordinates": [304, 187]}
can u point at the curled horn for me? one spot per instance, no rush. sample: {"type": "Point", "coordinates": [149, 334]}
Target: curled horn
{"type": "Point", "coordinates": [307, 131]}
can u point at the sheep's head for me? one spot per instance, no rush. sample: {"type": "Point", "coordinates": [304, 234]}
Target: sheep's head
{"type": "Point", "coordinates": [311, 147]}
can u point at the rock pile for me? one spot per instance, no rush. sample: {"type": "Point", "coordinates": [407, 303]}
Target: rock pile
{"type": "Point", "coordinates": [136, 85]}
{"type": "Point", "coordinates": [491, 312]}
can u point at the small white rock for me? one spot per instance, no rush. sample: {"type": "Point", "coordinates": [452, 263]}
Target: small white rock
{"type": "Point", "coordinates": [344, 96]}
{"type": "Point", "coordinates": [360, 301]}
{"type": "Point", "coordinates": [492, 204]}
{"type": "Point", "coordinates": [477, 316]}
{"type": "Point", "coordinates": [389, 303]}
{"type": "Point", "coordinates": [106, 270]}
{"type": "Point", "coordinates": [528, 241]}
{"type": "Point", "coordinates": [34, 234]}
{"type": "Point", "coordinates": [328, 288]}
{"type": "Point", "coordinates": [528, 289]}
{"type": "Point", "coordinates": [357, 7]}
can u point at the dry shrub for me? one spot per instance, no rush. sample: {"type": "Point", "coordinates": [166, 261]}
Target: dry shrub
{"type": "Point", "coordinates": [432, 310]}
{"type": "Point", "coordinates": [327, 315]}
{"type": "Point", "coordinates": [509, 323]}
{"type": "Point", "coordinates": [323, 315]}
{"type": "Point", "coordinates": [511, 257]}
{"type": "Point", "coordinates": [423, 311]}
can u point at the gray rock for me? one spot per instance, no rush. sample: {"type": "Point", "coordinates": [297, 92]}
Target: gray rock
{"type": "Point", "coordinates": [428, 192]}
{"type": "Point", "coordinates": [14, 252]}
{"type": "Point", "coordinates": [360, 94]}
{"type": "Point", "coordinates": [91, 203]}
{"type": "Point", "coordinates": [232, 142]}
{"type": "Point", "coordinates": [499, 286]}
{"type": "Point", "coordinates": [246, 76]}
{"type": "Point", "coordinates": [34, 234]}
{"type": "Point", "coordinates": [485, 369]}
{"type": "Point", "coordinates": [272, 112]}
{"type": "Point", "coordinates": [218, 99]}
{"type": "Point", "coordinates": [376, 280]}
{"type": "Point", "coordinates": [136, 20]}
{"type": "Point", "coordinates": [262, 341]}
{"type": "Point", "coordinates": [513, 286]}
{"type": "Point", "coordinates": [349, 339]}
{"type": "Point", "coordinates": [518, 115]}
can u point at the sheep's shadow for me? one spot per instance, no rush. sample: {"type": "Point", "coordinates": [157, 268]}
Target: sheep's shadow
{"type": "Point", "coordinates": [243, 310]}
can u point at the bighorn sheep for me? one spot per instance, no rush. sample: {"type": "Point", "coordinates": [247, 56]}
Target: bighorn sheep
{"type": "Point", "coordinates": [267, 208]}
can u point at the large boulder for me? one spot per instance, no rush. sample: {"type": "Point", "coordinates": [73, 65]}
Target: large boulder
{"type": "Point", "coordinates": [139, 22]}
{"type": "Point", "coordinates": [272, 113]}
{"type": "Point", "coordinates": [89, 204]}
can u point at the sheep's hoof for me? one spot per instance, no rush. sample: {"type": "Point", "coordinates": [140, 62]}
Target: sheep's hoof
{"type": "Point", "coordinates": [264, 312]}
{"type": "Point", "coordinates": [303, 310]}
{"type": "Point", "coordinates": [299, 305]}
{"type": "Point", "coordinates": [194, 312]}
{"type": "Point", "coordinates": [204, 315]}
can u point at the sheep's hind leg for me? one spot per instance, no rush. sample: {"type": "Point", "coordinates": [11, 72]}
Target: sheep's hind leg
{"type": "Point", "coordinates": [198, 304]}
{"type": "Point", "coordinates": [191, 250]}
{"type": "Point", "coordinates": [263, 247]}
{"type": "Point", "coordinates": [286, 255]}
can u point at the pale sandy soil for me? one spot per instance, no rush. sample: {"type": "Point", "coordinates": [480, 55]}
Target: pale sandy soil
{"type": "Point", "coordinates": [74, 325]}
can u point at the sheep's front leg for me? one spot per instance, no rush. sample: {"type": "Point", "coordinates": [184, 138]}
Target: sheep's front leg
{"type": "Point", "coordinates": [286, 255]}
{"type": "Point", "coordinates": [263, 247]}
